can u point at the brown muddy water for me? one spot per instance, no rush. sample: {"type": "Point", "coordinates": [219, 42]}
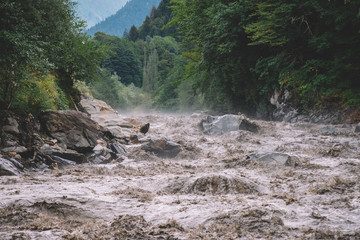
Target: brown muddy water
{"type": "Point", "coordinates": [210, 190]}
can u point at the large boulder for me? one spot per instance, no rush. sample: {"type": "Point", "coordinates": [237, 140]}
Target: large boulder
{"type": "Point", "coordinates": [12, 126]}
{"type": "Point", "coordinates": [276, 158]}
{"type": "Point", "coordinates": [162, 148]}
{"type": "Point", "coordinates": [107, 118]}
{"type": "Point", "coordinates": [75, 129]}
{"type": "Point", "coordinates": [218, 125]}
{"type": "Point", "coordinates": [8, 168]}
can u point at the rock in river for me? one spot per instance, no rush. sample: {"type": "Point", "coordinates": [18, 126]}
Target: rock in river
{"type": "Point", "coordinates": [274, 158]}
{"type": "Point", "coordinates": [218, 125]}
{"type": "Point", "coordinates": [162, 148]}
{"type": "Point", "coordinates": [8, 168]}
{"type": "Point", "coordinates": [75, 129]}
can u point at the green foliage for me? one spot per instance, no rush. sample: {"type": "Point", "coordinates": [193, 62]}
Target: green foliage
{"type": "Point", "coordinates": [38, 39]}
{"type": "Point", "coordinates": [154, 25]}
{"type": "Point", "coordinates": [118, 95]}
{"type": "Point", "coordinates": [125, 58]}
{"type": "Point", "coordinates": [241, 51]}
{"type": "Point", "coordinates": [40, 93]}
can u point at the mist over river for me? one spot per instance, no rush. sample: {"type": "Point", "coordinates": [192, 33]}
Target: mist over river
{"type": "Point", "coordinates": [212, 189]}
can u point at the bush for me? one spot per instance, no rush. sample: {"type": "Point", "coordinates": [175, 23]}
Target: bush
{"type": "Point", "coordinates": [40, 93]}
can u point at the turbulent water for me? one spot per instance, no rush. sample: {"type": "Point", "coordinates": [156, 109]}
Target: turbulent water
{"type": "Point", "coordinates": [210, 190]}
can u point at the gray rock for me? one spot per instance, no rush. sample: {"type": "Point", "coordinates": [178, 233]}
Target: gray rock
{"type": "Point", "coordinates": [70, 156]}
{"type": "Point", "coordinates": [16, 149]}
{"type": "Point", "coordinates": [16, 163]}
{"type": "Point", "coordinates": [12, 126]}
{"type": "Point", "coordinates": [11, 129]}
{"type": "Point", "coordinates": [213, 184]}
{"type": "Point", "coordinates": [61, 162]}
{"type": "Point", "coordinates": [291, 116]}
{"type": "Point", "coordinates": [163, 148]}
{"type": "Point", "coordinates": [274, 158]}
{"type": "Point", "coordinates": [357, 128]}
{"type": "Point", "coordinates": [75, 129]}
{"type": "Point", "coordinates": [7, 168]}
{"type": "Point", "coordinates": [218, 125]}
{"type": "Point", "coordinates": [117, 149]}
{"type": "Point", "coordinates": [329, 130]}
{"type": "Point", "coordinates": [101, 154]}
{"type": "Point", "coordinates": [112, 123]}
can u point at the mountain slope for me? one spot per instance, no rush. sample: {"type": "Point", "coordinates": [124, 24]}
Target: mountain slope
{"type": "Point", "coordinates": [133, 13]}
{"type": "Point", "coordinates": [95, 11]}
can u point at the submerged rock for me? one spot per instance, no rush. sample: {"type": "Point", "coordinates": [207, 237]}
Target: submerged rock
{"type": "Point", "coordinates": [163, 148]}
{"type": "Point", "coordinates": [329, 130]}
{"type": "Point", "coordinates": [274, 158]}
{"type": "Point", "coordinates": [248, 126]}
{"type": "Point", "coordinates": [213, 184]}
{"type": "Point", "coordinates": [218, 125]}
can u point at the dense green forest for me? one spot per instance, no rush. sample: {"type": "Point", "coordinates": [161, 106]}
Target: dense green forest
{"type": "Point", "coordinates": [247, 49]}
{"type": "Point", "coordinates": [232, 55]}
{"type": "Point", "coordinates": [224, 55]}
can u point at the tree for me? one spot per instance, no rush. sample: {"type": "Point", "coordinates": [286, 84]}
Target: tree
{"type": "Point", "coordinates": [38, 38]}
{"type": "Point", "coordinates": [133, 34]}
{"type": "Point", "coordinates": [124, 59]}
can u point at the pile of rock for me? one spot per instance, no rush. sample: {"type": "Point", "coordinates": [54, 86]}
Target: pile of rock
{"type": "Point", "coordinates": [54, 140]}
{"type": "Point", "coordinates": [59, 138]}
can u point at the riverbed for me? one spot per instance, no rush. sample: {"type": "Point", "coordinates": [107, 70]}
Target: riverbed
{"type": "Point", "coordinates": [210, 190]}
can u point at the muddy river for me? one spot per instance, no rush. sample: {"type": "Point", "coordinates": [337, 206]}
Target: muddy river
{"type": "Point", "coordinates": [210, 190]}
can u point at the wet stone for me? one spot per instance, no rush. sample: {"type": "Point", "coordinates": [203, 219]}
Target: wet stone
{"type": "Point", "coordinates": [163, 148]}
{"type": "Point", "coordinates": [7, 168]}
{"type": "Point", "coordinates": [71, 156]}
{"type": "Point", "coordinates": [213, 184]}
{"type": "Point", "coordinates": [329, 130]}
{"type": "Point", "coordinates": [117, 149]}
{"type": "Point", "coordinates": [274, 158]}
{"type": "Point", "coordinates": [218, 125]}
{"type": "Point", "coordinates": [62, 162]}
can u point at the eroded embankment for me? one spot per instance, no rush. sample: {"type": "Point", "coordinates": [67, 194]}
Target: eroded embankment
{"type": "Point", "coordinates": [213, 189]}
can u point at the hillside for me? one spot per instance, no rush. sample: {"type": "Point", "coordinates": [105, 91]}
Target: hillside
{"type": "Point", "coordinates": [95, 11]}
{"type": "Point", "coordinates": [133, 13]}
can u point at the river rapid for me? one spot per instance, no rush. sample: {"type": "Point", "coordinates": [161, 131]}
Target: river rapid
{"type": "Point", "coordinates": [210, 190]}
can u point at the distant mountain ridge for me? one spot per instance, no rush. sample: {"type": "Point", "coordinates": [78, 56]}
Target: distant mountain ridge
{"type": "Point", "coordinates": [95, 11]}
{"type": "Point", "coordinates": [133, 13]}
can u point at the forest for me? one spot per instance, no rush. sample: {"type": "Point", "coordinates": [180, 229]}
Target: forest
{"type": "Point", "coordinates": [222, 55]}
